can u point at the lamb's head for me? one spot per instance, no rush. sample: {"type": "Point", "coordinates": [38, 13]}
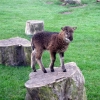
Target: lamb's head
{"type": "Point", "coordinates": [68, 33]}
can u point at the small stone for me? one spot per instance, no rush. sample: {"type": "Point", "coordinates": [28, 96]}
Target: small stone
{"type": "Point", "coordinates": [98, 0]}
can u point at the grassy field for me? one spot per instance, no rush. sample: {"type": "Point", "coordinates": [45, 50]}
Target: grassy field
{"type": "Point", "coordinates": [84, 50]}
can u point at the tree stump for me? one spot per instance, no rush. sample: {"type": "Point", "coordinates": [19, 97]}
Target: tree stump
{"type": "Point", "coordinates": [15, 52]}
{"type": "Point", "coordinates": [34, 26]}
{"type": "Point", "coordinates": [56, 85]}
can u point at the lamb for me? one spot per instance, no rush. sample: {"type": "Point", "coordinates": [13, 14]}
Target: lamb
{"type": "Point", "coordinates": [54, 42]}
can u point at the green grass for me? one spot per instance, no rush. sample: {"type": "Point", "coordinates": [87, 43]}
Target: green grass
{"type": "Point", "coordinates": [84, 50]}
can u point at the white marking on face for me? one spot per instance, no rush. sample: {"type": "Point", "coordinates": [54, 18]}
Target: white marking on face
{"type": "Point", "coordinates": [66, 35]}
{"type": "Point", "coordinates": [67, 40]}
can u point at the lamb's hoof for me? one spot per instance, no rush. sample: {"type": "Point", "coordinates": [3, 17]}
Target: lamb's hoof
{"type": "Point", "coordinates": [34, 70]}
{"type": "Point", "coordinates": [64, 70]}
{"type": "Point", "coordinates": [45, 71]}
{"type": "Point", "coordinates": [52, 70]}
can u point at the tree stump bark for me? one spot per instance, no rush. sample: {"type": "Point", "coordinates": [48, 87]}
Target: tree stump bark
{"type": "Point", "coordinates": [34, 26]}
{"type": "Point", "coordinates": [56, 85]}
{"type": "Point", "coordinates": [15, 52]}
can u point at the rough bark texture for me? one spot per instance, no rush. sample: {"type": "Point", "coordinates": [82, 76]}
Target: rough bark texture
{"type": "Point", "coordinates": [15, 52]}
{"type": "Point", "coordinates": [34, 26]}
{"type": "Point", "coordinates": [56, 85]}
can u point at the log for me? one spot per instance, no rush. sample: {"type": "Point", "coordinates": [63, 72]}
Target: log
{"type": "Point", "coordinates": [56, 85]}
{"type": "Point", "coordinates": [15, 52]}
{"type": "Point", "coordinates": [34, 26]}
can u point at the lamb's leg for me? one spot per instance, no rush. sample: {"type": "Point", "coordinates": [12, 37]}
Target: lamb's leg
{"type": "Point", "coordinates": [62, 61]}
{"type": "Point", "coordinates": [33, 60]}
{"type": "Point", "coordinates": [53, 58]}
{"type": "Point", "coordinates": [39, 60]}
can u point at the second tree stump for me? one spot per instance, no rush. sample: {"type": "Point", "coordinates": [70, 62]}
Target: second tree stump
{"type": "Point", "coordinates": [15, 52]}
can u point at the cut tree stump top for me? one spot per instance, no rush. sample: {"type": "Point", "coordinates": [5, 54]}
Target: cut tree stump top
{"type": "Point", "coordinates": [39, 79]}
{"type": "Point", "coordinates": [35, 21]}
{"type": "Point", "coordinates": [15, 41]}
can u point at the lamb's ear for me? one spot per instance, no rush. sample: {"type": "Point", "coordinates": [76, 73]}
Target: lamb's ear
{"type": "Point", "coordinates": [74, 28]}
{"type": "Point", "coordinates": [62, 28]}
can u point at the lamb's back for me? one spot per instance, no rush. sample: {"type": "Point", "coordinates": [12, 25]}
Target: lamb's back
{"type": "Point", "coordinates": [42, 38]}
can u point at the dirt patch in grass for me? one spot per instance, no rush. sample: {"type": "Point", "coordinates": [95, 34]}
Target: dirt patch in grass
{"type": "Point", "coordinates": [80, 6]}
{"type": "Point", "coordinates": [69, 12]}
{"type": "Point", "coordinates": [66, 12]}
{"type": "Point", "coordinates": [49, 2]}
